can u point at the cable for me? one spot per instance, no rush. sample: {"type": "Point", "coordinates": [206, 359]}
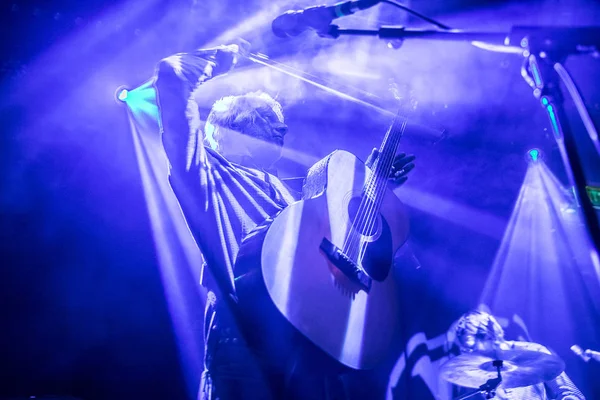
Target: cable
{"type": "Point", "coordinates": [416, 14]}
{"type": "Point", "coordinates": [579, 104]}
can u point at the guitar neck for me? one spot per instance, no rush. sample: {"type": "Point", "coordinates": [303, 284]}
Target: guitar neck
{"type": "Point", "coordinates": [375, 188]}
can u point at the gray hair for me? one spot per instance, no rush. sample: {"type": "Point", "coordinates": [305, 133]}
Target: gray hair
{"type": "Point", "coordinates": [477, 324]}
{"type": "Point", "coordinates": [235, 112]}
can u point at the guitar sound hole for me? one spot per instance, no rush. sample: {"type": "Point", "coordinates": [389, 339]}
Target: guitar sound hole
{"type": "Point", "coordinates": [367, 226]}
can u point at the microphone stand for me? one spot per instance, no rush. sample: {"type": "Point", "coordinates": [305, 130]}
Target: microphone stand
{"type": "Point", "coordinates": [489, 388]}
{"type": "Point", "coordinates": [545, 49]}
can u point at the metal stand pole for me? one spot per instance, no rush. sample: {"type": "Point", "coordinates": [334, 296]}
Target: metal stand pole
{"type": "Point", "coordinates": [489, 388]}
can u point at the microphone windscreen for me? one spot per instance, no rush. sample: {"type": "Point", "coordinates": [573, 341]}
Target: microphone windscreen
{"type": "Point", "coordinates": [286, 25]}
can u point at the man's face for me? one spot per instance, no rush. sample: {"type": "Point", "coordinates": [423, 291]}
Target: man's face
{"type": "Point", "coordinates": [267, 133]}
{"type": "Point", "coordinates": [480, 338]}
{"type": "Point", "coordinates": [478, 332]}
{"type": "Point", "coordinates": [478, 342]}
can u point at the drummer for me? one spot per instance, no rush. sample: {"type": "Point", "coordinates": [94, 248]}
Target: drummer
{"type": "Point", "coordinates": [478, 331]}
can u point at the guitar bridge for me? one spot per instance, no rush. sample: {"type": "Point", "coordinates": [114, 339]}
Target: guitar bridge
{"type": "Point", "coordinates": [348, 267]}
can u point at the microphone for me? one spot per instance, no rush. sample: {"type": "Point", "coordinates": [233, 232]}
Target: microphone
{"type": "Point", "coordinates": [319, 18]}
{"type": "Point", "coordinates": [586, 355]}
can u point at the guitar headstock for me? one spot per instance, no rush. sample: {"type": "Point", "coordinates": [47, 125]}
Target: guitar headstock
{"type": "Point", "coordinates": [405, 97]}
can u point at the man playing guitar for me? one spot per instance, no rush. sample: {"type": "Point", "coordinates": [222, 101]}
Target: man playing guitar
{"type": "Point", "coordinates": [224, 182]}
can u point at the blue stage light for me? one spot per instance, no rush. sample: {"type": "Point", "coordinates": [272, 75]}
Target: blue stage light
{"type": "Point", "coordinates": [534, 155]}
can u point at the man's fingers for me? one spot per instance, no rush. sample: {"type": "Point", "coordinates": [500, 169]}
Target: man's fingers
{"type": "Point", "coordinates": [403, 159]}
{"type": "Point", "coordinates": [372, 157]}
{"type": "Point", "coordinates": [404, 170]}
{"type": "Point", "coordinates": [403, 164]}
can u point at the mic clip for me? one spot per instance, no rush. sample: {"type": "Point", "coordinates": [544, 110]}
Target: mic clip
{"type": "Point", "coordinates": [331, 32]}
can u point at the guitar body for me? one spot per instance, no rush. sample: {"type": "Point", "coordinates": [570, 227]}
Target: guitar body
{"type": "Point", "coordinates": [352, 324]}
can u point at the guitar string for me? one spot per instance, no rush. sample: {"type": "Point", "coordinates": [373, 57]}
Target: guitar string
{"type": "Point", "coordinates": [371, 217]}
{"type": "Point", "coordinates": [354, 235]}
{"type": "Point", "coordinates": [374, 209]}
{"type": "Point", "coordinates": [350, 239]}
{"type": "Point", "coordinates": [369, 193]}
{"type": "Point", "coordinates": [375, 191]}
{"type": "Point", "coordinates": [380, 196]}
{"type": "Point", "coordinates": [390, 160]}
{"type": "Point", "coordinates": [366, 214]}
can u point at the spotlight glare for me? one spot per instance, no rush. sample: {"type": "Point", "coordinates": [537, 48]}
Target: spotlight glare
{"type": "Point", "coordinates": [123, 95]}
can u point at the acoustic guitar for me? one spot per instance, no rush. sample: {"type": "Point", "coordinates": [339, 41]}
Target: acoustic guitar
{"type": "Point", "coordinates": [325, 261]}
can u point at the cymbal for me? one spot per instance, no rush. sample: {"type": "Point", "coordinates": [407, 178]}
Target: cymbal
{"type": "Point", "coordinates": [520, 368]}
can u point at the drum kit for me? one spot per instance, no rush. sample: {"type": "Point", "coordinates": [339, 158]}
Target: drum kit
{"type": "Point", "coordinates": [486, 371]}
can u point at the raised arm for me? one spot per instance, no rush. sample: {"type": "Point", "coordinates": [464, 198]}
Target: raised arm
{"type": "Point", "coordinates": [176, 79]}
